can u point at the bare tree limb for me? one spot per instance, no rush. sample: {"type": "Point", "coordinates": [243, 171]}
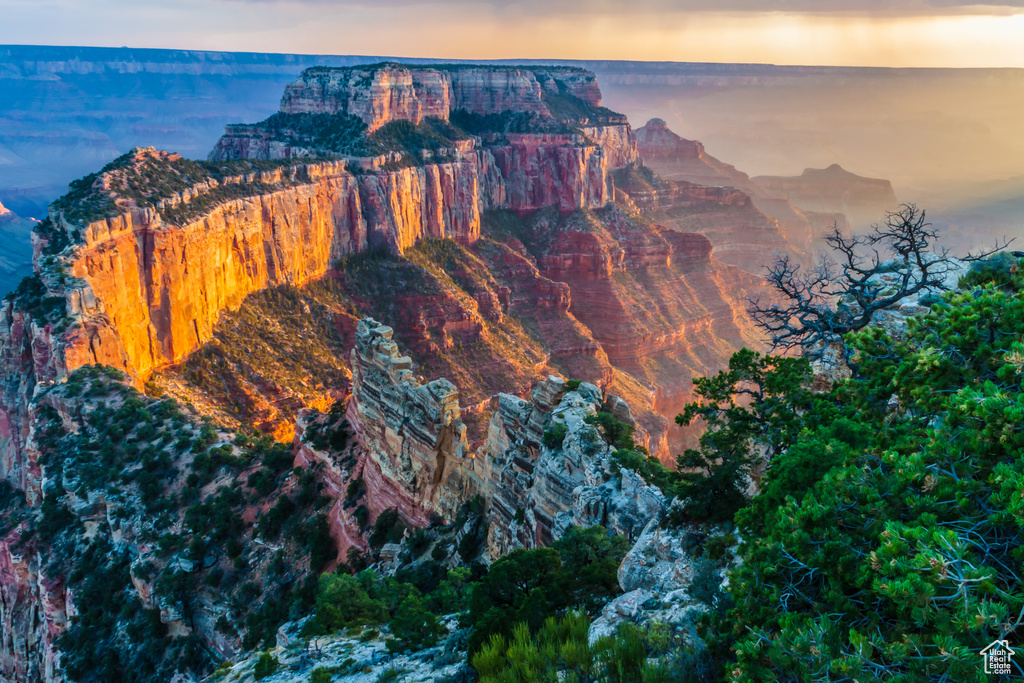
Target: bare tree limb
{"type": "Point", "coordinates": [844, 291]}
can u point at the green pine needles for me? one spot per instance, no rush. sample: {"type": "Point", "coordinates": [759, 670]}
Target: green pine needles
{"type": "Point", "coordinates": [886, 542]}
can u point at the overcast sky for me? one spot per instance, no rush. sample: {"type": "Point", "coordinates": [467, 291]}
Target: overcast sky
{"type": "Point", "coordinates": [838, 32]}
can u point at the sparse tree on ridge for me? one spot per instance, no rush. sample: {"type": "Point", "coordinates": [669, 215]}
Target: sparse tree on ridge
{"type": "Point", "coordinates": [843, 292]}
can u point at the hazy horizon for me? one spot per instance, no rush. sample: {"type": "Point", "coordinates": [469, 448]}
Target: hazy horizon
{"type": "Point", "coordinates": [907, 33]}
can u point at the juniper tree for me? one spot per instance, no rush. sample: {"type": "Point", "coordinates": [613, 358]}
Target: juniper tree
{"type": "Point", "coordinates": [810, 310]}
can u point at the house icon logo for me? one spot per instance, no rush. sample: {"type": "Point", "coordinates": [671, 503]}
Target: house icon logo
{"type": "Point", "coordinates": [997, 657]}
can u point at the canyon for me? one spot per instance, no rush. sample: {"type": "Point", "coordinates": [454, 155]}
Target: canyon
{"type": "Point", "coordinates": [535, 253]}
{"type": "Point", "coordinates": [15, 248]}
{"type": "Point", "coordinates": [434, 321]}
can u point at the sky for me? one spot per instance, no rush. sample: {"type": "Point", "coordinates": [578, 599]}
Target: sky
{"type": "Point", "coordinates": [915, 33]}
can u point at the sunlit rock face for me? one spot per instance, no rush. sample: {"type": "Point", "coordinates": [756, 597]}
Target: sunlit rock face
{"type": "Point", "coordinates": [417, 455]}
{"type": "Point", "coordinates": [144, 285]}
{"type": "Point", "coordinates": [381, 93]}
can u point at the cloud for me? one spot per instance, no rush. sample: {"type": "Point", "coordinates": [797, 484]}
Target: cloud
{"type": "Point", "coordinates": [870, 7]}
{"type": "Point", "coordinates": [937, 33]}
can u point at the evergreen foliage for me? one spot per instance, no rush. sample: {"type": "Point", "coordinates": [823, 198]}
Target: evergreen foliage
{"type": "Point", "coordinates": [527, 586]}
{"type": "Point", "coordinates": [560, 652]}
{"type": "Point", "coordinates": [886, 543]}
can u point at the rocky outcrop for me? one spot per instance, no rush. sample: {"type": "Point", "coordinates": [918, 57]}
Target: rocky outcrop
{"type": "Point", "coordinates": [417, 455]}
{"type": "Point", "coordinates": [676, 158]}
{"type": "Point", "coordinates": [740, 233]}
{"type": "Point", "coordinates": [552, 170]}
{"type": "Point", "coordinates": [144, 286]}
{"type": "Point", "coordinates": [665, 580]}
{"type": "Point", "coordinates": [660, 305]}
{"type": "Point", "coordinates": [537, 489]}
{"type": "Point", "coordinates": [834, 190]}
{"type": "Point", "coordinates": [376, 95]}
{"type": "Point", "coordinates": [33, 612]}
{"type": "Point", "coordinates": [617, 141]}
{"type": "Point", "coordinates": [381, 93]}
{"type": "Point", "coordinates": [142, 291]}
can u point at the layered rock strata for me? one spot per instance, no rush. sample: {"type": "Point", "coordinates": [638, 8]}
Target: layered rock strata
{"type": "Point", "coordinates": [740, 233]}
{"type": "Point", "coordinates": [538, 490]}
{"type": "Point", "coordinates": [380, 93]}
{"type": "Point", "coordinates": [33, 612]}
{"type": "Point", "coordinates": [417, 454]}
{"type": "Point", "coordinates": [661, 307]}
{"type": "Point", "coordinates": [143, 286]}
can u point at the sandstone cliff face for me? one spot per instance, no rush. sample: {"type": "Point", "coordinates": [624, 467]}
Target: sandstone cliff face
{"type": "Point", "coordinates": [33, 612]}
{"type": "Point", "coordinates": [418, 457]}
{"type": "Point", "coordinates": [552, 170]}
{"type": "Point", "coordinates": [740, 233]}
{"type": "Point", "coordinates": [381, 93]}
{"type": "Point", "coordinates": [617, 141]}
{"type": "Point", "coordinates": [537, 492]}
{"type": "Point", "coordinates": [376, 95]}
{"type": "Point", "coordinates": [678, 159]}
{"type": "Point", "coordinates": [661, 307]}
{"type": "Point", "coordinates": [142, 293]}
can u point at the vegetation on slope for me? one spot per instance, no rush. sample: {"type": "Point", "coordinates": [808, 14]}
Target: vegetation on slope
{"type": "Point", "coordinates": [182, 490]}
{"type": "Point", "coordinates": [886, 540]}
{"type": "Point", "coordinates": [279, 352]}
{"type": "Point", "coordinates": [287, 347]}
{"type": "Point", "coordinates": [483, 353]}
{"type": "Point", "coordinates": [146, 179]}
{"type": "Point", "coordinates": [347, 135]}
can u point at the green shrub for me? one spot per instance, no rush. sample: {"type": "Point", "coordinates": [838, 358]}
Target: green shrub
{"type": "Point", "coordinates": [265, 666]}
{"type": "Point", "coordinates": [343, 601]}
{"type": "Point", "coordinates": [890, 557]}
{"type": "Point", "coordinates": [561, 651]}
{"type": "Point", "coordinates": [413, 627]}
{"type": "Point", "coordinates": [388, 528]}
{"type": "Point", "coordinates": [617, 434]}
{"type": "Point", "coordinates": [527, 586]}
{"type": "Point", "coordinates": [320, 675]}
{"type": "Point", "coordinates": [555, 434]}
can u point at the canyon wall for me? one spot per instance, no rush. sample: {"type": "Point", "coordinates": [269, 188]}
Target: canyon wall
{"type": "Point", "coordinates": [538, 490]}
{"type": "Point", "coordinates": [740, 233]}
{"type": "Point", "coordinates": [33, 612]}
{"type": "Point", "coordinates": [378, 94]}
{"type": "Point", "coordinates": [417, 456]}
{"type": "Point", "coordinates": [863, 201]}
{"type": "Point", "coordinates": [143, 286]}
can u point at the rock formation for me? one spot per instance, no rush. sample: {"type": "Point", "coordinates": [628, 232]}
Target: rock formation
{"type": "Point", "coordinates": [417, 455]}
{"type": "Point", "coordinates": [676, 158]}
{"type": "Point", "coordinates": [805, 208]}
{"type": "Point", "coordinates": [835, 190]}
{"type": "Point", "coordinates": [380, 93]}
{"type": "Point", "coordinates": [33, 612]}
{"type": "Point", "coordinates": [537, 489]}
{"type": "Point", "coordinates": [740, 233]}
{"type": "Point", "coordinates": [144, 278]}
